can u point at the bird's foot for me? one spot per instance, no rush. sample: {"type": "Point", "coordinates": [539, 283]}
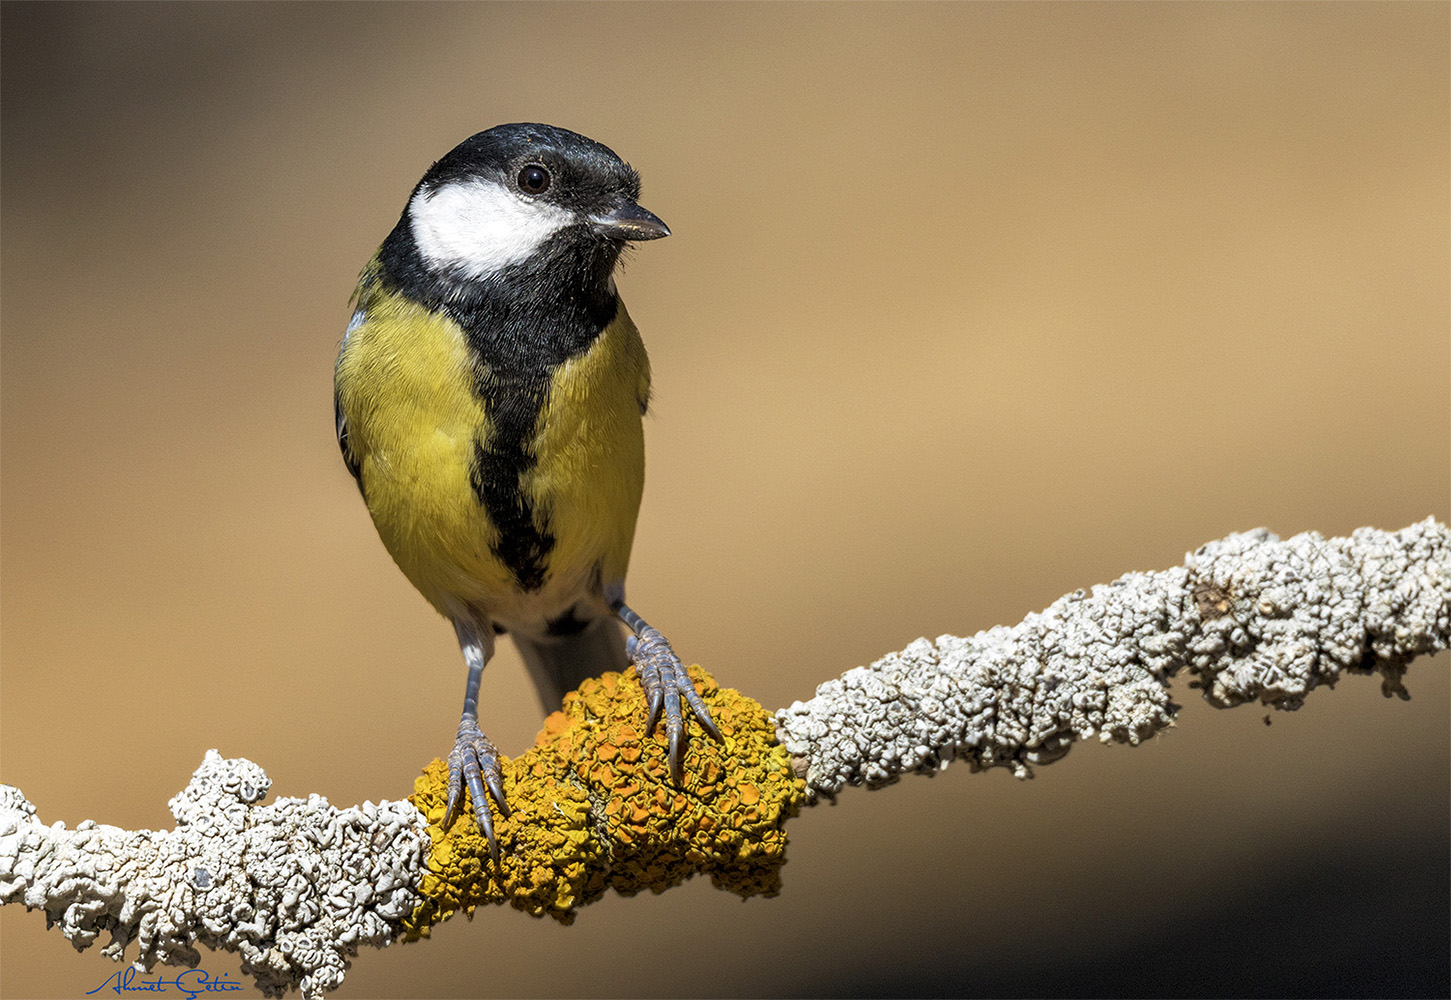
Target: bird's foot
{"type": "Point", "coordinates": [474, 762]}
{"type": "Point", "coordinates": [665, 680]}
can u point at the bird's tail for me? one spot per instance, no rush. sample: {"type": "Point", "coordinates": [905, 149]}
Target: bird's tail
{"type": "Point", "coordinates": [559, 663]}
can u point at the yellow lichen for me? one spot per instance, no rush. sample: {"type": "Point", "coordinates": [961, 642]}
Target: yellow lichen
{"type": "Point", "coordinates": [593, 807]}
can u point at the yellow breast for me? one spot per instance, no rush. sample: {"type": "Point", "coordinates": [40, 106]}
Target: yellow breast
{"type": "Point", "coordinates": [591, 456]}
{"type": "Point", "coordinates": [407, 386]}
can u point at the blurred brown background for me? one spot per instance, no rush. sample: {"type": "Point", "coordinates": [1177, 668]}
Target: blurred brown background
{"type": "Point", "coordinates": [966, 307]}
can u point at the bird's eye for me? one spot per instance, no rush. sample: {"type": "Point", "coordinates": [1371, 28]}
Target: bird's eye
{"type": "Point", "coordinates": [534, 179]}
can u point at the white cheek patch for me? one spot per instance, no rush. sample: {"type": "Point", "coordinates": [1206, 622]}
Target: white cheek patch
{"type": "Point", "coordinates": [480, 227]}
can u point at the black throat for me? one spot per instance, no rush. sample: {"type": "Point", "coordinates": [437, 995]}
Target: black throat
{"type": "Point", "coordinates": [521, 323]}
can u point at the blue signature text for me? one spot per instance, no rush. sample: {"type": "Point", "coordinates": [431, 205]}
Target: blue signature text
{"type": "Point", "coordinates": [191, 983]}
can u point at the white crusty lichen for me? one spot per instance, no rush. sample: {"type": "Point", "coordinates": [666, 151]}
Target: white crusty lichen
{"type": "Point", "coordinates": [295, 887]}
{"type": "Point", "coordinates": [1252, 617]}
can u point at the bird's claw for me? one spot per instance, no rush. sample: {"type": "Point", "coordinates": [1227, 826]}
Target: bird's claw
{"type": "Point", "coordinates": [665, 681]}
{"type": "Point", "coordinates": [474, 763]}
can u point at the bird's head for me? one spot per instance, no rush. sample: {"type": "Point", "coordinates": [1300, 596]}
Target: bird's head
{"type": "Point", "coordinates": [526, 198]}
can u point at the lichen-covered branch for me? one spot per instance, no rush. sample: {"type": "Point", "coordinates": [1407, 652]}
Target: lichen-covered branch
{"type": "Point", "coordinates": [297, 887]}
{"type": "Point", "coordinates": [1252, 617]}
{"type": "Point", "coordinates": [593, 808]}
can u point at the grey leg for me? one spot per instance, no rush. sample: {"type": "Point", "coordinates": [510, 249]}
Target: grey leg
{"type": "Point", "coordinates": [665, 681]}
{"type": "Point", "coordinates": [474, 761]}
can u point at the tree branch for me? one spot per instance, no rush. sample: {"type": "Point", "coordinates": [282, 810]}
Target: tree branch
{"type": "Point", "coordinates": [297, 887]}
{"type": "Point", "coordinates": [1252, 617]}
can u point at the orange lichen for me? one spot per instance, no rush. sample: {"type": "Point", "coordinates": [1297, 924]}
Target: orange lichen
{"type": "Point", "coordinates": [594, 808]}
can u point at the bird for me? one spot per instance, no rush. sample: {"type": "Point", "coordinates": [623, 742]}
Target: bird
{"type": "Point", "coordinates": [489, 396]}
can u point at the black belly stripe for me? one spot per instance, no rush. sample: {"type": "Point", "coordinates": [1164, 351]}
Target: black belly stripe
{"type": "Point", "coordinates": [497, 473]}
{"type": "Point", "coordinates": [521, 324]}
{"type": "Point", "coordinates": [567, 624]}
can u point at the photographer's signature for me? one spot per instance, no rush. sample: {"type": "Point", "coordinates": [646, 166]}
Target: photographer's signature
{"type": "Point", "coordinates": [191, 983]}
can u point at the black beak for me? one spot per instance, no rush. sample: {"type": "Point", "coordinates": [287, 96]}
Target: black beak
{"type": "Point", "coordinates": [629, 222]}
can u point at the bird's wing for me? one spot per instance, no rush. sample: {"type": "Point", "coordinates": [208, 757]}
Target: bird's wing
{"type": "Point", "coordinates": [349, 459]}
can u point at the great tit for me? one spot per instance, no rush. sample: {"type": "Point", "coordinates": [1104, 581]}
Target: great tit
{"type": "Point", "coordinates": [488, 396]}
